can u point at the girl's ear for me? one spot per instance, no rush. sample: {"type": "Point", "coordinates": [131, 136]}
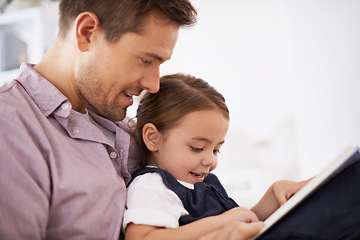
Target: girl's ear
{"type": "Point", "coordinates": [151, 136]}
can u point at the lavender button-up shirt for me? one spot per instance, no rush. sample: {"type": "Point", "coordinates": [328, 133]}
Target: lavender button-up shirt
{"type": "Point", "coordinates": [60, 177]}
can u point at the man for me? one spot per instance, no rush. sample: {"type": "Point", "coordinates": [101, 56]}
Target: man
{"type": "Point", "coordinates": [65, 155]}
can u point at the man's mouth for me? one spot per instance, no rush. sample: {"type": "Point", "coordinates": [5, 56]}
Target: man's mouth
{"type": "Point", "coordinates": [129, 96]}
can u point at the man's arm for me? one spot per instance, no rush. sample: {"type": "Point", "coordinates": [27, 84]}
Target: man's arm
{"type": "Point", "coordinates": [235, 231]}
{"type": "Point", "coordinates": [24, 183]}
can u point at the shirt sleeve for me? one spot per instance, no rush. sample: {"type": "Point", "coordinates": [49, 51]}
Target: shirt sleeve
{"type": "Point", "coordinates": [150, 202]}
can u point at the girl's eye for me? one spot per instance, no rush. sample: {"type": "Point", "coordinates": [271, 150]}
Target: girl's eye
{"type": "Point", "coordinates": [195, 149]}
{"type": "Point", "coordinates": [216, 152]}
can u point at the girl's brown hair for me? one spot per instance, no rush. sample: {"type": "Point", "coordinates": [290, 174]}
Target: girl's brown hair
{"type": "Point", "coordinates": [178, 96]}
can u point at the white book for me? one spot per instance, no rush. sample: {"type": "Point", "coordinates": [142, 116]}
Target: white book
{"type": "Point", "coordinates": [348, 157]}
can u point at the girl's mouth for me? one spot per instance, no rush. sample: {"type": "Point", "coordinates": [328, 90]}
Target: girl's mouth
{"type": "Point", "coordinates": [198, 177]}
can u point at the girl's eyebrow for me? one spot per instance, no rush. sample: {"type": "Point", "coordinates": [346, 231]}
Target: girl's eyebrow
{"type": "Point", "coordinates": [206, 140]}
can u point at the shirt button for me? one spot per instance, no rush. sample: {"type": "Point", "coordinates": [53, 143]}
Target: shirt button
{"type": "Point", "coordinates": [121, 154]}
{"type": "Point", "coordinates": [65, 106]}
{"type": "Point", "coordinates": [113, 155]}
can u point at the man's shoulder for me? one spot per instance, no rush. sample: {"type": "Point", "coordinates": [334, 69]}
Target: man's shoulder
{"type": "Point", "coordinates": [10, 90]}
{"type": "Point", "coordinates": [13, 99]}
{"type": "Point", "coordinates": [18, 111]}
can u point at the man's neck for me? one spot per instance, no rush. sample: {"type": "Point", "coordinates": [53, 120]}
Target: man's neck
{"type": "Point", "coordinates": [57, 68]}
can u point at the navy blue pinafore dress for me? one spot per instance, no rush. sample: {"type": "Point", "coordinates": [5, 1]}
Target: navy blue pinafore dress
{"type": "Point", "coordinates": [208, 198]}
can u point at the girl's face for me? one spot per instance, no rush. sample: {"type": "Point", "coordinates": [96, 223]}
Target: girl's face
{"type": "Point", "coordinates": [189, 151]}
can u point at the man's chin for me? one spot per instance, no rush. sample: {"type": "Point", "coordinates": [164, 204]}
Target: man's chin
{"type": "Point", "coordinates": [115, 116]}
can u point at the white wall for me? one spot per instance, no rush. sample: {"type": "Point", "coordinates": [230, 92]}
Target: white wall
{"type": "Point", "coordinates": [325, 37]}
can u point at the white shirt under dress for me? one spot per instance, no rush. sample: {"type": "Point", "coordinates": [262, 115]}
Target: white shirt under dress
{"type": "Point", "coordinates": [150, 202]}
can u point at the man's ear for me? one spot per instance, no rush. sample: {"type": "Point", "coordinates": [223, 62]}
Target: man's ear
{"type": "Point", "coordinates": [85, 25]}
{"type": "Point", "coordinates": [151, 136]}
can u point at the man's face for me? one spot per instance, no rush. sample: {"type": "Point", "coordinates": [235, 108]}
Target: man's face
{"type": "Point", "coordinates": [114, 72]}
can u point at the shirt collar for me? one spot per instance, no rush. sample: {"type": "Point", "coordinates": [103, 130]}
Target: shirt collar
{"type": "Point", "coordinates": [45, 95]}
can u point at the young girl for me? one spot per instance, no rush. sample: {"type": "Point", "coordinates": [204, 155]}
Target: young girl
{"type": "Point", "coordinates": [181, 130]}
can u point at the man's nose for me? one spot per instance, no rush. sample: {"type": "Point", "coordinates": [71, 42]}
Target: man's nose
{"type": "Point", "coordinates": [151, 81]}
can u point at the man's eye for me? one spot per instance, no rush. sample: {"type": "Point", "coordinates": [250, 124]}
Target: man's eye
{"type": "Point", "coordinates": [195, 149]}
{"type": "Point", "coordinates": [147, 62]}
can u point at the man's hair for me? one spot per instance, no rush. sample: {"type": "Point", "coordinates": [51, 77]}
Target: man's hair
{"type": "Point", "coordinates": [120, 16]}
{"type": "Point", "coordinates": [178, 96]}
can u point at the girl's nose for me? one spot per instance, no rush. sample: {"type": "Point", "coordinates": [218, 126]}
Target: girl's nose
{"type": "Point", "coordinates": [210, 160]}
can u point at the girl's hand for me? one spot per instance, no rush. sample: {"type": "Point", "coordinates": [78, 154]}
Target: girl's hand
{"type": "Point", "coordinates": [279, 193]}
{"type": "Point", "coordinates": [238, 214]}
{"type": "Point", "coordinates": [284, 189]}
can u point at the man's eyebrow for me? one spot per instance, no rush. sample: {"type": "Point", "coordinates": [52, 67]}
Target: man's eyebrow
{"type": "Point", "coordinates": [154, 55]}
{"type": "Point", "coordinates": [206, 140]}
